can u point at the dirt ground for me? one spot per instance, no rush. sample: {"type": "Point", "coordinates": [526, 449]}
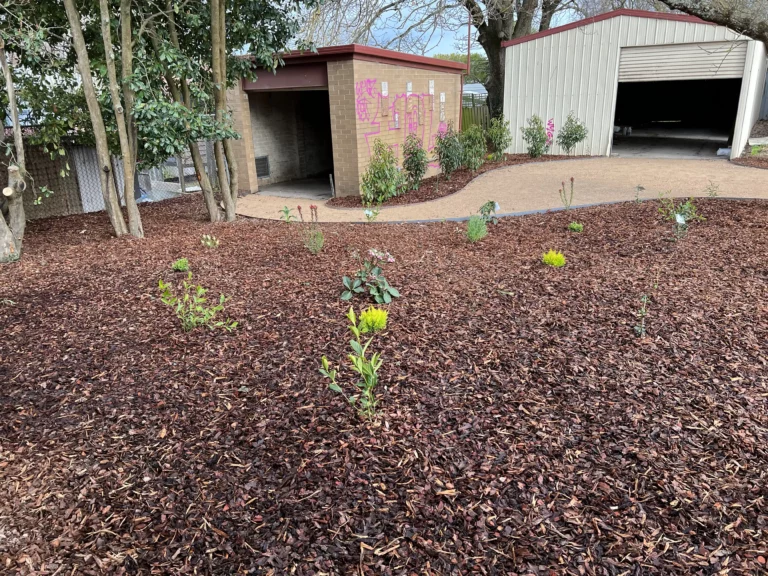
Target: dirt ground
{"type": "Point", "coordinates": [524, 428]}
{"type": "Point", "coordinates": [534, 186]}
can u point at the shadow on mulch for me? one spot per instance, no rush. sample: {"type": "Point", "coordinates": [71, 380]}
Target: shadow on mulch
{"type": "Point", "coordinates": [523, 427]}
{"type": "Point", "coordinates": [438, 186]}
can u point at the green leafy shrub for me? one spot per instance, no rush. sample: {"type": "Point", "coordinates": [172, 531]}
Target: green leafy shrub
{"type": "Point", "coordinates": [488, 212]}
{"type": "Point", "coordinates": [565, 197]}
{"type": "Point", "coordinates": [500, 136]}
{"type": "Point", "coordinates": [448, 149]}
{"type": "Point", "coordinates": [209, 241]}
{"type": "Point", "coordinates": [477, 229]}
{"type": "Point", "coordinates": [364, 398]}
{"type": "Point", "coordinates": [473, 148]}
{"type": "Point", "coordinates": [535, 136]}
{"type": "Point", "coordinates": [553, 258]}
{"type": "Point", "coordinates": [670, 211]}
{"type": "Point", "coordinates": [181, 265]}
{"type": "Point", "coordinates": [575, 227]}
{"type": "Point", "coordinates": [382, 179]}
{"type": "Point", "coordinates": [191, 306]}
{"type": "Point", "coordinates": [415, 161]}
{"type": "Point", "coordinates": [572, 133]}
{"type": "Point", "coordinates": [370, 278]}
{"type": "Point", "coordinates": [373, 319]}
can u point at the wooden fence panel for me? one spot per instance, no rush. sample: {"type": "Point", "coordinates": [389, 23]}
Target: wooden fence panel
{"type": "Point", "coordinates": [479, 115]}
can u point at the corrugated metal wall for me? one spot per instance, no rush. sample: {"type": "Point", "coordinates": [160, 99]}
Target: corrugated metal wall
{"type": "Point", "coordinates": [577, 70]}
{"type": "Point", "coordinates": [682, 62]}
{"type": "Point", "coordinates": [764, 107]}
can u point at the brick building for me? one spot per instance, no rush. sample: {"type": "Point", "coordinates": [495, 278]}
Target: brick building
{"type": "Point", "coordinates": [321, 113]}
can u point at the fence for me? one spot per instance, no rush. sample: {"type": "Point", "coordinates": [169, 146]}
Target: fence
{"type": "Point", "coordinates": [479, 115]}
{"type": "Point", "coordinates": [78, 190]}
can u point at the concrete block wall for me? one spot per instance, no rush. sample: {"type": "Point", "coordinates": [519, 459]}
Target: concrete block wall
{"type": "Point", "coordinates": [238, 104]}
{"type": "Point", "coordinates": [273, 117]}
{"type": "Point", "coordinates": [341, 96]}
{"type": "Point", "coordinates": [391, 118]}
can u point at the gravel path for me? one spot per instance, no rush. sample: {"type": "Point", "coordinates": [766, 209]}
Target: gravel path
{"type": "Point", "coordinates": [534, 187]}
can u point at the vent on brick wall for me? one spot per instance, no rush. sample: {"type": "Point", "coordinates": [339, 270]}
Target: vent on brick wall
{"type": "Point", "coordinates": [262, 166]}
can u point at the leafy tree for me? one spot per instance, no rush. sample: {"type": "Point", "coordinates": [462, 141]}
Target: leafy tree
{"type": "Point", "coordinates": [750, 17]}
{"type": "Point", "coordinates": [478, 66]}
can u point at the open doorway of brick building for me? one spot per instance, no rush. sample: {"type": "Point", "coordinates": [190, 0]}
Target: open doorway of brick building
{"type": "Point", "coordinates": [292, 143]}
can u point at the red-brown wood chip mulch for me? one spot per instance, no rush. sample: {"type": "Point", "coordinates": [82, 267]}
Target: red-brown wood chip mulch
{"type": "Point", "coordinates": [523, 427]}
{"type": "Point", "coordinates": [439, 186]}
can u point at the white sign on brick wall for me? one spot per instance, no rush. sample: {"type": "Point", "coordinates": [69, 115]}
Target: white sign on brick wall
{"type": "Point", "coordinates": [385, 89]}
{"type": "Point", "coordinates": [408, 89]}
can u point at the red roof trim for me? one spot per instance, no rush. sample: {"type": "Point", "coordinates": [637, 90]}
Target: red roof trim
{"type": "Point", "coordinates": [359, 52]}
{"type": "Point", "coordinates": [607, 16]}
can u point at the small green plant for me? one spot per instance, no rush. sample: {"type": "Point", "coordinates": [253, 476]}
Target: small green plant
{"type": "Point", "coordinates": [565, 197]}
{"type": "Point", "coordinates": [7, 302]}
{"type": "Point", "coordinates": [642, 313]}
{"type": "Point", "coordinates": [370, 278]}
{"type": "Point", "coordinates": [553, 258]}
{"type": "Point", "coordinates": [535, 136]}
{"type": "Point", "coordinates": [488, 212]}
{"type": "Point", "coordinates": [576, 227]}
{"type": "Point", "coordinates": [209, 241]}
{"type": "Point", "coordinates": [382, 179]}
{"type": "Point", "coordinates": [681, 214]}
{"type": "Point", "coordinates": [572, 133]}
{"type": "Point", "coordinates": [364, 398]}
{"type": "Point", "coordinates": [473, 148]}
{"type": "Point", "coordinates": [373, 319]}
{"type": "Point", "coordinates": [181, 265]}
{"type": "Point", "coordinates": [712, 189]}
{"type": "Point", "coordinates": [415, 161]}
{"type": "Point", "coordinates": [757, 149]}
{"type": "Point", "coordinates": [500, 136]}
{"type": "Point", "coordinates": [638, 189]}
{"type": "Point", "coordinates": [371, 213]}
{"type": "Point", "coordinates": [191, 306]}
{"type": "Point", "coordinates": [448, 149]}
{"type": "Point", "coordinates": [477, 229]}
{"type": "Point", "coordinates": [314, 239]}
{"type": "Point", "coordinates": [286, 215]}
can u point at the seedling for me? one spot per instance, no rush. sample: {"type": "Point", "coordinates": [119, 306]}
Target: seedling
{"type": "Point", "coordinates": [209, 241]}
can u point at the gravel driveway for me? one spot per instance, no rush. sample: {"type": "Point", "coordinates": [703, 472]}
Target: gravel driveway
{"type": "Point", "coordinates": [531, 187]}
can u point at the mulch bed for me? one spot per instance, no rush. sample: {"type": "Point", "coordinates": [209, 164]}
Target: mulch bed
{"type": "Point", "coordinates": [752, 161]}
{"type": "Point", "coordinates": [523, 428]}
{"type": "Point", "coordinates": [438, 186]}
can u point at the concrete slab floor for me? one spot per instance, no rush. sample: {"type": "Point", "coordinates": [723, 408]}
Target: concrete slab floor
{"type": "Point", "coordinates": [653, 147]}
{"type": "Point", "coordinates": [310, 188]}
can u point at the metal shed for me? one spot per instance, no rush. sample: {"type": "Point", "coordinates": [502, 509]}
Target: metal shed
{"type": "Point", "coordinates": [671, 78]}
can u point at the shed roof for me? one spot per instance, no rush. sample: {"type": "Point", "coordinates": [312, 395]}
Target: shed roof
{"type": "Point", "coordinates": [606, 16]}
{"type": "Point", "coordinates": [371, 54]}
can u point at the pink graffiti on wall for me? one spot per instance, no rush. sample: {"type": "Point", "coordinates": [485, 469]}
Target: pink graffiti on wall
{"type": "Point", "coordinates": [411, 113]}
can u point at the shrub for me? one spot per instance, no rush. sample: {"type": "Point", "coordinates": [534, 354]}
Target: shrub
{"type": "Point", "coordinates": [365, 397]}
{"type": "Point", "coordinates": [575, 227]}
{"type": "Point", "coordinates": [671, 211]}
{"type": "Point", "coordinates": [373, 320]}
{"type": "Point", "coordinates": [553, 258]}
{"type": "Point", "coordinates": [369, 278]}
{"type": "Point", "coordinates": [642, 314]}
{"type": "Point", "coordinates": [473, 149]}
{"type": "Point", "coordinates": [415, 161]}
{"type": "Point", "coordinates": [500, 136]}
{"type": "Point", "coordinates": [371, 213]}
{"type": "Point", "coordinates": [383, 179]}
{"type": "Point", "coordinates": [448, 148]}
{"type": "Point", "coordinates": [314, 239]}
{"type": "Point", "coordinates": [488, 212]}
{"type": "Point", "coordinates": [181, 265]}
{"type": "Point", "coordinates": [572, 133]}
{"type": "Point", "coordinates": [209, 241]}
{"type": "Point", "coordinates": [477, 229]}
{"type": "Point", "coordinates": [535, 136]}
{"type": "Point", "coordinates": [191, 308]}
{"type": "Point", "coordinates": [565, 197]}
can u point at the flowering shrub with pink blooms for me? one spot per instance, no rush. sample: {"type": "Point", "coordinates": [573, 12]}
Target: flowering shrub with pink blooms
{"type": "Point", "coordinates": [536, 136]}
{"type": "Point", "coordinates": [370, 278]}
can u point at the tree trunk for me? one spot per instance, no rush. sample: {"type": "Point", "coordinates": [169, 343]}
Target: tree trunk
{"type": "Point", "coordinates": [548, 9]}
{"type": "Point", "coordinates": [229, 152]}
{"type": "Point", "coordinates": [12, 231]}
{"type": "Point", "coordinates": [183, 96]}
{"type": "Point", "coordinates": [111, 202]}
{"type": "Point", "coordinates": [219, 85]}
{"type": "Point", "coordinates": [126, 150]}
{"type": "Point", "coordinates": [491, 43]}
